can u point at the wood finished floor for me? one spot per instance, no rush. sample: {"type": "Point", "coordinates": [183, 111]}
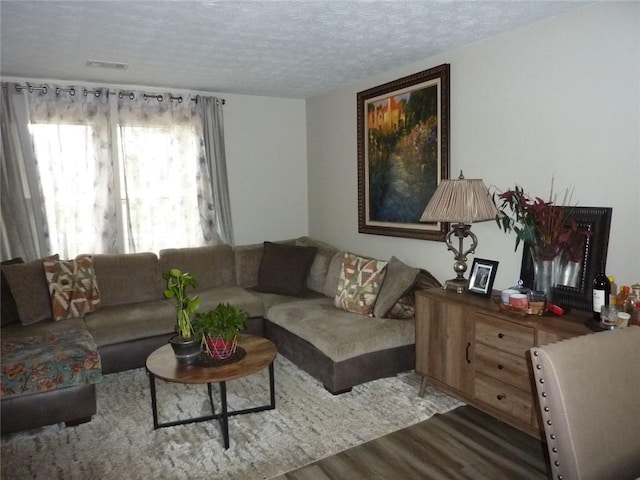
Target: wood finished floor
{"type": "Point", "coordinates": [462, 444]}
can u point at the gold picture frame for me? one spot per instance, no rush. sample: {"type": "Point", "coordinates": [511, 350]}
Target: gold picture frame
{"type": "Point", "coordinates": [403, 153]}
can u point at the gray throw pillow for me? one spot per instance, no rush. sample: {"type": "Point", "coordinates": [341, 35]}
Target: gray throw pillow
{"type": "Point", "coordinates": [284, 269]}
{"type": "Point", "coordinates": [333, 275]}
{"type": "Point", "coordinates": [400, 278]}
{"type": "Point", "coordinates": [320, 266]}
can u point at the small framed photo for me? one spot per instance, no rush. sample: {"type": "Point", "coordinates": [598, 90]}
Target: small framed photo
{"type": "Point", "coordinates": [483, 273]}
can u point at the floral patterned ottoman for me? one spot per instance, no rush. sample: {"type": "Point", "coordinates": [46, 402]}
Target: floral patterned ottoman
{"type": "Point", "coordinates": [48, 373]}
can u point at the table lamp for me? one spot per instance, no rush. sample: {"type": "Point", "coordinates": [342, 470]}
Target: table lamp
{"type": "Point", "coordinates": [460, 202]}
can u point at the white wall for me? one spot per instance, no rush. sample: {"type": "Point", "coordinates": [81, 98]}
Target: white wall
{"type": "Point", "coordinates": [266, 147]}
{"type": "Point", "coordinates": [558, 98]}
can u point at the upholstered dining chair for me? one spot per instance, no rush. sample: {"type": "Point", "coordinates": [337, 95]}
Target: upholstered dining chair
{"type": "Point", "coordinates": [589, 396]}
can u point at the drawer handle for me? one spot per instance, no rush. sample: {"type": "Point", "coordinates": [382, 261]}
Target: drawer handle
{"type": "Point", "coordinates": [500, 397]}
{"type": "Point", "coordinates": [500, 366]}
{"type": "Point", "coordinates": [501, 335]}
{"type": "Point", "coordinates": [466, 352]}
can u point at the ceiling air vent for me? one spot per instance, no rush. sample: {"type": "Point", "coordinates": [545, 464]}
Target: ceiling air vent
{"type": "Point", "coordinates": [111, 65]}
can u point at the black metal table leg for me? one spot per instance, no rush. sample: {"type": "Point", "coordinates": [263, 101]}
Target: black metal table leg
{"type": "Point", "coordinates": [209, 389]}
{"type": "Point", "coordinates": [224, 414]}
{"type": "Point", "coordinates": [272, 386]}
{"type": "Point", "coordinates": [154, 402]}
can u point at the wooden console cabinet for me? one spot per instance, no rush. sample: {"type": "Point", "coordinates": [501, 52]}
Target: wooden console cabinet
{"type": "Point", "coordinates": [467, 347]}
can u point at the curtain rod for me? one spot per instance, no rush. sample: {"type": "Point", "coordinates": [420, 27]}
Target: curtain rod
{"type": "Point", "coordinates": [121, 93]}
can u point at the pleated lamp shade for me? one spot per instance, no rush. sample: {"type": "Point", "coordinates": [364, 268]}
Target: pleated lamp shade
{"type": "Point", "coordinates": [461, 200]}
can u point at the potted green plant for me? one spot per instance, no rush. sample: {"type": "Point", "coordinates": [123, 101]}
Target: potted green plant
{"type": "Point", "coordinates": [186, 345]}
{"type": "Point", "coordinates": [218, 329]}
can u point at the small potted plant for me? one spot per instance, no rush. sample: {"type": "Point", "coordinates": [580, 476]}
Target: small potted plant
{"type": "Point", "coordinates": [218, 330]}
{"type": "Point", "coordinates": [186, 345]}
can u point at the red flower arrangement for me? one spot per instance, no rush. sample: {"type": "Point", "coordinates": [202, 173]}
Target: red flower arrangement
{"type": "Point", "coordinates": [546, 228]}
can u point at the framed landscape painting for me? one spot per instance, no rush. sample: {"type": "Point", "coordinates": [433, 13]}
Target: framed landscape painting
{"type": "Point", "coordinates": [403, 153]}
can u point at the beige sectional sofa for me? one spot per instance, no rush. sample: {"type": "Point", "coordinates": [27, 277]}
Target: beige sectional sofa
{"type": "Point", "coordinates": [339, 348]}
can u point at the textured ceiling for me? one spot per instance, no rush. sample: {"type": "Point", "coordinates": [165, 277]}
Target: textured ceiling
{"type": "Point", "coordinates": [288, 48]}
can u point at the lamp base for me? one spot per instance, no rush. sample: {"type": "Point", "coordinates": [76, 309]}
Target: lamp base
{"type": "Point", "coordinates": [458, 284]}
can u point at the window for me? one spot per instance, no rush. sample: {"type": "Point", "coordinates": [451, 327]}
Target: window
{"type": "Point", "coordinates": [67, 175]}
{"type": "Point", "coordinates": [158, 175]}
{"type": "Point", "coordinates": [155, 197]}
{"type": "Point", "coordinates": [93, 170]}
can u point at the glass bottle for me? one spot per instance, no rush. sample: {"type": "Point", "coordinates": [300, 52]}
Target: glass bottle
{"type": "Point", "coordinates": [635, 315]}
{"type": "Point", "coordinates": [630, 302]}
{"type": "Point", "coordinates": [601, 291]}
{"type": "Point", "coordinates": [622, 297]}
{"type": "Point", "coordinates": [614, 290]}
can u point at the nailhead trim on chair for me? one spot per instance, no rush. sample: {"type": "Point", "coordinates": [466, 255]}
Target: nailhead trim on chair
{"type": "Point", "coordinates": [550, 436]}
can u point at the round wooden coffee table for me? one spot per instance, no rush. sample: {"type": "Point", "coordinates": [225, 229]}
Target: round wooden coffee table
{"type": "Point", "coordinates": [162, 364]}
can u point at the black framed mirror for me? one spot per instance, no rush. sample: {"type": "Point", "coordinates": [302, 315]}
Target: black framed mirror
{"type": "Point", "coordinates": [596, 220]}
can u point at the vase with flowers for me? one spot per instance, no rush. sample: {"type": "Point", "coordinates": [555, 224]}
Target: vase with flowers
{"type": "Point", "coordinates": [555, 240]}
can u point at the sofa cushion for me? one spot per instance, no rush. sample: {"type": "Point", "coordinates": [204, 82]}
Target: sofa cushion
{"type": "Point", "coordinates": [211, 266]}
{"type": "Point", "coordinates": [30, 291]}
{"type": "Point", "coordinates": [17, 330]}
{"type": "Point", "coordinates": [337, 333]}
{"type": "Point", "coordinates": [133, 321]}
{"type": "Point", "coordinates": [128, 278]}
{"type": "Point", "coordinates": [72, 286]}
{"type": "Point", "coordinates": [236, 296]}
{"type": "Point", "coordinates": [399, 279]}
{"type": "Point", "coordinates": [359, 283]}
{"type": "Point", "coordinates": [9, 313]}
{"type": "Point", "coordinates": [320, 266]}
{"type": "Point", "coordinates": [271, 299]}
{"type": "Point", "coordinates": [284, 269]}
{"type": "Point", "coordinates": [247, 261]}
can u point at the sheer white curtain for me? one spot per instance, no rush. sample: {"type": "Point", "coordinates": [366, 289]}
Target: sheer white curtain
{"type": "Point", "coordinates": [72, 143]}
{"type": "Point", "coordinates": [162, 164]}
{"type": "Point", "coordinates": [118, 172]}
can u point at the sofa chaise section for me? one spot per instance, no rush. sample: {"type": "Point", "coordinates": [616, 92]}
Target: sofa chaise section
{"type": "Point", "coordinates": [49, 372]}
{"type": "Point", "coordinates": [339, 348]}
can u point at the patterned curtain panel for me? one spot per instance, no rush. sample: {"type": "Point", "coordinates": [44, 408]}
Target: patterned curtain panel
{"type": "Point", "coordinates": [216, 165]}
{"type": "Point", "coordinates": [24, 223]}
{"type": "Point", "coordinates": [164, 167]}
{"type": "Point", "coordinates": [71, 134]}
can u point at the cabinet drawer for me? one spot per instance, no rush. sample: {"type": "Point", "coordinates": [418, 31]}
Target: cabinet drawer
{"type": "Point", "coordinates": [502, 335]}
{"type": "Point", "coordinates": [508, 399]}
{"type": "Point", "coordinates": [508, 368]}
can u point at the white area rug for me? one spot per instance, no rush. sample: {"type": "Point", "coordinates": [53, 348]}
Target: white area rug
{"type": "Point", "coordinates": [308, 423]}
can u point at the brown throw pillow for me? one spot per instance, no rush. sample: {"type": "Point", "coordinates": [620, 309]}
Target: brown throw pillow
{"type": "Point", "coordinates": [8, 303]}
{"type": "Point", "coordinates": [30, 291]}
{"type": "Point", "coordinates": [284, 269]}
